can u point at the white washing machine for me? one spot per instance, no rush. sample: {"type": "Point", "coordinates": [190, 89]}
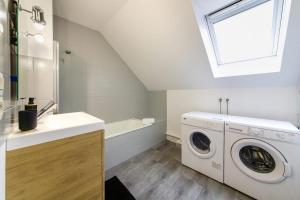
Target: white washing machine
{"type": "Point", "coordinates": [262, 158]}
{"type": "Point", "coordinates": [203, 143]}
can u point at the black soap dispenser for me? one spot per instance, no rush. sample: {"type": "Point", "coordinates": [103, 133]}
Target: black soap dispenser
{"type": "Point", "coordinates": [28, 117]}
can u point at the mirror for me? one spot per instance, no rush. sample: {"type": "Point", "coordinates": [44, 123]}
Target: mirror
{"type": "Point", "coordinates": [33, 70]}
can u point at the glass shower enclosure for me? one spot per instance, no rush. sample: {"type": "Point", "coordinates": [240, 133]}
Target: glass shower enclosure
{"type": "Point", "coordinates": [72, 82]}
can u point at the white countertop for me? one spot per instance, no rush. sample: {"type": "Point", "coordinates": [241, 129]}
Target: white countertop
{"type": "Point", "coordinates": [54, 127]}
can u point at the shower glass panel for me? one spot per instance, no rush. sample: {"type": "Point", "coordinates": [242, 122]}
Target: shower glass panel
{"type": "Point", "coordinates": [72, 82]}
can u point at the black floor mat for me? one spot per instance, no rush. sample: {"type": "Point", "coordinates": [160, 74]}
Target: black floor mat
{"type": "Point", "coordinates": [115, 190]}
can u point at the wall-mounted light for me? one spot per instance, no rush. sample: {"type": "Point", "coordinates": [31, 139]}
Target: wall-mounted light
{"type": "Point", "coordinates": [37, 13]}
{"type": "Point", "coordinates": [38, 37]}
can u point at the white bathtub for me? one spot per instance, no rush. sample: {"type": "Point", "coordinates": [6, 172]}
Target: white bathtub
{"type": "Point", "coordinates": [122, 127]}
{"type": "Point", "coordinates": [125, 139]}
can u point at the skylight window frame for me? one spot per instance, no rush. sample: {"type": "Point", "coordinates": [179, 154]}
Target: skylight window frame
{"type": "Point", "coordinates": [237, 8]}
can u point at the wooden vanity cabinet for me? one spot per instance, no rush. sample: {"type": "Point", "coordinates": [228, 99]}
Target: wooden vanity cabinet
{"type": "Point", "coordinates": [66, 169]}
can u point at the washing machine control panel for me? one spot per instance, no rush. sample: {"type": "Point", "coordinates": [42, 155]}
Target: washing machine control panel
{"type": "Point", "coordinates": [256, 132]}
{"type": "Point", "coordinates": [282, 136]}
{"type": "Point", "coordinates": [263, 133]}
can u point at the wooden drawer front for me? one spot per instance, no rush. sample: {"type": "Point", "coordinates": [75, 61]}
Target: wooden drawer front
{"type": "Point", "coordinates": [66, 169]}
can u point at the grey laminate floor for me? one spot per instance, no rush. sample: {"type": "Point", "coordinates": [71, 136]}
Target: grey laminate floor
{"type": "Point", "coordinates": [158, 174]}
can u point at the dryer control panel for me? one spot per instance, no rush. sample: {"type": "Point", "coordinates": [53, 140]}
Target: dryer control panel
{"type": "Point", "coordinates": [262, 133]}
{"type": "Point", "coordinates": [211, 124]}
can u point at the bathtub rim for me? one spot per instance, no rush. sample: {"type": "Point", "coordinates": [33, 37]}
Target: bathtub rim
{"type": "Point", "coordinates": [131, 130]}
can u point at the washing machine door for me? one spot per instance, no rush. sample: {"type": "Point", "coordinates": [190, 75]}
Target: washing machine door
{"type": "Point", "coordinates": [260, 161]}
{"type": "Point", "coordinates": [201, 143]}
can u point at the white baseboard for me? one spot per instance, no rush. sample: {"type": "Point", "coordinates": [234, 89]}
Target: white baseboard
{"type": "Point", "coordinates": [173, 139]}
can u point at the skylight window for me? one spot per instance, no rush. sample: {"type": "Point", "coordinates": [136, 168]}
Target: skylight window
{"type": "Point", "coordinates": [245, 30]}
{"type": "Point", "coordinates": [245, 37]}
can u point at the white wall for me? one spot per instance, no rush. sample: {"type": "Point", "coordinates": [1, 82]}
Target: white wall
{"type": "Point", "coordinates": [158, 105]}
{"type": "Point", "coordinates": [278, 103]}
{"type": "Point", "coordinates": [4, 58]}
{"type": "Point", "coordinates": [93, 78]}
{"type": "Point", "coordinates": [5, 71]}
{"type": "Point", "coordinates": [28, 46]}
{"type": "Point", "coordinates": [298, 100]}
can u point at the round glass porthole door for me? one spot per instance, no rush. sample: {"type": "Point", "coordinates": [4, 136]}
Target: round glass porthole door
{"type": "Point", "coordinates": [260, 161]}
{"type": "Point", "coordinates": [201, 144]}
{"type": "Point", "coordinates": [257, 159]}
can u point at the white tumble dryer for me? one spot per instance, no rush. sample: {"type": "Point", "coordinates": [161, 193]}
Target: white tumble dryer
{"type": "Point", "coordinates": [262, 158]}
{"type": "Point", "coordinates": [202, 138]}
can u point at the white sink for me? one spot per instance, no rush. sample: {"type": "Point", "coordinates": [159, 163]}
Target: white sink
{"type": "Point", "coordinates": [62, 121]}
{"type": "Point", "coordinates": [55, 127]}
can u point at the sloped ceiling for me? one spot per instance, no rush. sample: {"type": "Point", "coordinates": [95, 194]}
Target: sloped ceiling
{"type": "Point", "coordinates": [161, 43]}
{"type": "Point", "coordinates": [90, 13]}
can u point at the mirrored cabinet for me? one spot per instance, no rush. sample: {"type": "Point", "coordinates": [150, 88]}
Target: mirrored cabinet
{"type": "Point", "coordinates": [33, 58]}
